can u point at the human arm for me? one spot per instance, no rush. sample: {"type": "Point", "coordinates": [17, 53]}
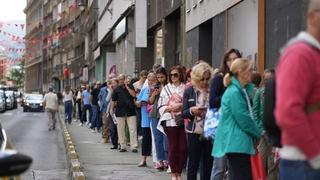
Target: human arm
{"type": "Point", "coordinates": [216, 91]}
{"type": "Point", "coordinates": [256, 108]}
{"type": "Point", "coordinates": [241, 114]}
{"type": "Point", "coordinates": [131, 90]}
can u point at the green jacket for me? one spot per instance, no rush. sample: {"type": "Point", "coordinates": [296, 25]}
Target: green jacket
{"type": "Point", "coordinates": [236, 132]}
{"type": "Point", "coordinates": [258, 107]}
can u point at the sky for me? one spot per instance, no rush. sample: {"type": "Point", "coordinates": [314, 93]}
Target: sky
{"type": "Point", "coordinates": [12, 10]}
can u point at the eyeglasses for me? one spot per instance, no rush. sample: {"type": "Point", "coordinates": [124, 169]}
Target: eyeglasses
{"type": "Point", "coordinates": [174, 75]}
{"type": "Point", "coordinates": [205, 79]}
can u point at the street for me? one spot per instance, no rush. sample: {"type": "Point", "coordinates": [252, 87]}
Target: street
{"type": "Point", "coordinates": [29, 134]}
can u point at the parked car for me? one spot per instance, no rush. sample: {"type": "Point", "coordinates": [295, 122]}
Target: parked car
{"type": "Point", "coordinates": [12, 164]}
{"type": "Point", "coordinates": [33, 102]}
{"type": "Point", "coordinates": [9, 99]}
{"type": "Point", "coordinates": [13, 97]}
{"type": "Point", "coordinates": [2, 101]}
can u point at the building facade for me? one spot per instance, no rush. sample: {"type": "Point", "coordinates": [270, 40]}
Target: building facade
{"type": "Point", "coordinates": [60, 37]}
{"type": "Point", "coordinates": [33, 64]}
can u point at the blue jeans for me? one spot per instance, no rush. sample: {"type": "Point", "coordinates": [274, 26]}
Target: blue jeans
{"type": "Point", "coordinates": [218, 168]}
{"type": "Point", "coordinates": [96, 121]}
{"type": "Point", "coordinates": [68, 111]}
{"type": "Point", "coordinates": [84, 113]}
{"type": "Point", "coordinates": [297, 170]}
{"type": "Point", "coordinates": [161, 141]}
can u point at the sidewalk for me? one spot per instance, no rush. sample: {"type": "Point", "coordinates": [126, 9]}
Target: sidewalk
{"type": "Point", "coordinates": [99, 162]}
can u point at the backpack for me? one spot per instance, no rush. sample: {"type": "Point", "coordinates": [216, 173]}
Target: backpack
{"type": "Point", "coordinates": [272, 129]}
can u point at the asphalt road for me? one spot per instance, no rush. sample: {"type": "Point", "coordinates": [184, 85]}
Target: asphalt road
{"type": "Point", "coordinates": [29, 134]}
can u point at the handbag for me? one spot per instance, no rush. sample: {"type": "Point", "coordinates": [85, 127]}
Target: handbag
{"type": "Point", "coordinates": [257, 168]}
{"type": "Point", "coordinates": [211, 123]}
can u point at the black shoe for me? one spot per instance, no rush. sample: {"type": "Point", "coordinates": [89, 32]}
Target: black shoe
{"type": "Point", "coordinates": [134, 150]}
{"type": "Point", "coordinates": [142, 164]}
{"type": "Point", "coordinates": [122, 150]}
{"type": "Point", "coordinates": [54, 128]}
{"type": "Point", "coordinates": [49, 129]}
{"type": "Point", "coordinates": [114, 147]}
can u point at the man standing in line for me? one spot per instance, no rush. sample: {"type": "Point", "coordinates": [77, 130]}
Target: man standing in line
{"type": "Point", "coordinates": [50, 102]}
{"type": "Point", "coordinates": [122, 98]}
{"type": "Point", "coordinates": [96, 121]}
{"type": "Point", "coordinates": [86, 106]}
{"type": "Point", "coordinates": [298, 102]}
{"type": "Point", "coordinates": [104, 98]}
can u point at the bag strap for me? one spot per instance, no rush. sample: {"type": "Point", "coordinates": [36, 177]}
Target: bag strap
{"type": "Point", "coordinates": [312, 108]}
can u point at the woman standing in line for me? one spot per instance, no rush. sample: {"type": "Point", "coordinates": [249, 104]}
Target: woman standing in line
{"type": "Point", "coordinates": [195, 104]}
{"type": "Point", "coordinates": [160, 140]}
{"type": "Point", "coordinates": [170, 107]}
{"type": "Point", "coordinates": [237, 131]}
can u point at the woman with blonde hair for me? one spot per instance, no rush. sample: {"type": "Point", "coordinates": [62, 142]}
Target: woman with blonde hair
{"type": "Point", "coordinates": [195, 104]}
{"type": "Point", "coordinates": [237, 130]}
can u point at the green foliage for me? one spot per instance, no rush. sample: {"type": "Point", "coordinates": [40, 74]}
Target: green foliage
{"type": "Point", "coordinates": [17, 75]}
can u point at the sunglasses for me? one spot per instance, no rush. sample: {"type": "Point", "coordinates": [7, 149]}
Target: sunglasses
{"type": "Point", "coordinates": [205, 79]}
{"type": "Point", "coordinates": [174, 75]}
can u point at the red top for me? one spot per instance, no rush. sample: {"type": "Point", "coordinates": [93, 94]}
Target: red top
{"type": "Point", "coordinates": [297, 86]}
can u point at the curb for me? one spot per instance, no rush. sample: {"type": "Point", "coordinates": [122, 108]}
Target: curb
{"type": "Point", "coordinates": [74, 165]}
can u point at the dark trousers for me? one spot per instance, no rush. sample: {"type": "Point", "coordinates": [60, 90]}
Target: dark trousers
{"type": "Point", "coordinates": [96, 121]}
{"type": "Point", "coordinates": [79, 108]}
{"type": "Point", "coordinates": [239, 166]}
{"type": "Point", "coordinates": [139, 128]}
{"type": "Point", "coordinates": [146, 142]}
{"type": "Point", "coordinates": [68, 111]}
{"type": "Point", "coordinates": [84, 113]}
{"type": "Point", "coordinates": [177, 142]}
{"type": "Point", "coordinates": [113, 132]}
{"type": "Point", "coordinates": [199, 151]}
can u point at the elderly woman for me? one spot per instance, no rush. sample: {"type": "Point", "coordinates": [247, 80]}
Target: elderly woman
{"type": "Point", "coordinates": [195, 103]}
{"type": "Point", "coordinates": [170, 106]}
{"type": "Point", "coordinates": [237, 131]}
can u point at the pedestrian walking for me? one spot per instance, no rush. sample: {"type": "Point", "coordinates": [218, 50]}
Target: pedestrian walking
{"type": "Point", "coordinates": [68, 103]}
{"type": "Point", "coordinates": [298, 102]}
{"type": "Point", "coordinates": [123, 104]}
{"type": "Point", "coordinates": [50, 102]}
{"type": "Point", "coordinates": [237, 131]}
{"type": "Point", "coordinates": [195, 105]}
{"type": "Point", "coordinates": [217, 89]}
{"type": "Point", "coordinates": [170, 106]}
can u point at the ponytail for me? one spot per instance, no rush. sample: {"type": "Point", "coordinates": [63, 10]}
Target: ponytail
{"type": "Point", "coordinates": [227, 80]}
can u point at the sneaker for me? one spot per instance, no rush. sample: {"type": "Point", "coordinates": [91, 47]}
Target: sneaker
{"type": "Point", "coordinates": [169, 170]}
{"type": "Point", "coordinates": [93, 131]}
{"type": "Point", "coordinates": [80, 124]}
{"type": "Point", "coordinates": [122, 150]}
{"type": "Point", "coordinates": [114, 147]}
{"type": "Point", "coordinates": [134, 150]}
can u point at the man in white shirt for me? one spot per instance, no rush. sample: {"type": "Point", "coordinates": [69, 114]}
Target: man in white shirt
{"type": "Point", "coordinates": [50, 102]}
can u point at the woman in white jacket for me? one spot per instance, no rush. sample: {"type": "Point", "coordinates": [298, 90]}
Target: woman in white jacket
{"type": "Point", "coordinates": [170, 106]}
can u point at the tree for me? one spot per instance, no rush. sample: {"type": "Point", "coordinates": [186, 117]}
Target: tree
{"type": "Point", "coordinates": [17, 75]}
